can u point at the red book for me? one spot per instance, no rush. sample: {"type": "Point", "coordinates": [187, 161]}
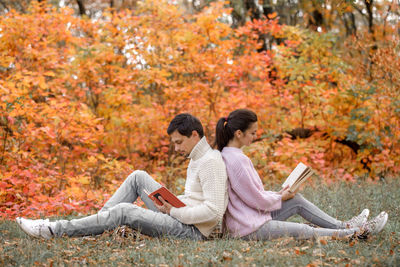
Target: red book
{"type": "Point", "coordinates": [166, 195]}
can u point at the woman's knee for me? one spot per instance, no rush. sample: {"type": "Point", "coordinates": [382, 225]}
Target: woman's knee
{"type": "Point", "coordinates": [295, 201]}
{"type": "Point", "coordinates": [298, 196]}
{"type": "Point", "coordinates": [298, 200]}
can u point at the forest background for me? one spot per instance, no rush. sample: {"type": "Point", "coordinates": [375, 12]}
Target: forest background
{"type": "Point", "coordinates": [87, 89]}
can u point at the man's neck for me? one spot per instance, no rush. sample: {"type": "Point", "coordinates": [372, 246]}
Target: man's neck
{"type": "Point", "coordinates": [199, 149]}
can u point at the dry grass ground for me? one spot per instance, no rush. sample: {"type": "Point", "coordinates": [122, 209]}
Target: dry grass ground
{"type": "Point", "coordinates": [117, 249]}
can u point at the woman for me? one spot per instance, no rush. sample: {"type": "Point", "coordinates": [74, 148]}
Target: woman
{"type": "Point", "coordinates": [254, 213]}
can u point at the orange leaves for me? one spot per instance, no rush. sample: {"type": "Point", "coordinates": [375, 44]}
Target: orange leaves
{"type": "Point", "coordinates": [272, 15]}
{"type": "Point", "coordinates": [84, 102]}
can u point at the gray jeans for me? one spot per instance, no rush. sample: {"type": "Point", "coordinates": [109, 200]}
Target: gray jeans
{"type": "Point", "coordinates": [119, 211]}
{"type": "Point", "coordinates": [277, 227]}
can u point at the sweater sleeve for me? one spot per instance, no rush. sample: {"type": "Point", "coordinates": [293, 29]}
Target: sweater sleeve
{"type": "Point", "coordinates": [246, 183]}
{"type": "Point", "coordinates": [212, 177]}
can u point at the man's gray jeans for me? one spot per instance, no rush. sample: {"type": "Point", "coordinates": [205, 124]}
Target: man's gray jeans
{"type": "Point", "coordinates": [119, 211]}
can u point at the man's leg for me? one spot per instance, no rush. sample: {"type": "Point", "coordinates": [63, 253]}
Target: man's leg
{"type": "Point", "coordinates": [132, 188]}
{"type": "Point", "coordinates": [301, 206]}
{"type": "Point", "coordinates": [118, 211]}
{"type": "Point", "coordinates": [146, 221]}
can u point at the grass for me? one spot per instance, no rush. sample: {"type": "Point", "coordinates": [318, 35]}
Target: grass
{"type": "Point", "coordinates": [123, 248]}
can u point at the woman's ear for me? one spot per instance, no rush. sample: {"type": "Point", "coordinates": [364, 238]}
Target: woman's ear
{"type": "Point", "coordinates": [238, 133]}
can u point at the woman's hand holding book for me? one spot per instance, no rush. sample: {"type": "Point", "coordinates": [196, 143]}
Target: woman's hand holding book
{"type": "Point", "coordinates": [286, 193]}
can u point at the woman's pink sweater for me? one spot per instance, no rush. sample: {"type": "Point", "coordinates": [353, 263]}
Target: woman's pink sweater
{"type": "Point", "coordinates": [249, 205]}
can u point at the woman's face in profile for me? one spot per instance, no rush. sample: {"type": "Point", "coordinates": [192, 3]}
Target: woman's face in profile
{"type": "Point", "coordinates": [249, 135]}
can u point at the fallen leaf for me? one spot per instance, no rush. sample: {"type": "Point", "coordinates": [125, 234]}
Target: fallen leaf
{"type": "Point", "coordinates": [318, 253]}
{"type": "Point", "coordinates": [226, 256]}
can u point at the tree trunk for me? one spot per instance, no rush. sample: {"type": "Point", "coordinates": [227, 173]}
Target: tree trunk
{"type": "Point", "coordinates": [368, 5]}
{"type": "Point", "coordinates": [81, 5]}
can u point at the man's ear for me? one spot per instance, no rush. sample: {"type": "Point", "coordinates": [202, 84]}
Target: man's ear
{"type": "Point", "coordinates": [195, 133]}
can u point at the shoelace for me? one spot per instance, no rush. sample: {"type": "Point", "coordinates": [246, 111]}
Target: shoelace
{"type": "Point", "coordinates": [368, 228]}
{"type": "Point", "coordinates": [42, 226]}
{"type": "Point", "coordinates": [355, 221]}
{"type": "Point", "coordinates": [371, 225]}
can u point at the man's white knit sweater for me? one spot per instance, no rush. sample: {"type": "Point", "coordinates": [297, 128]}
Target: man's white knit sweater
{"type": "Point", "coordinates": [205, 196]}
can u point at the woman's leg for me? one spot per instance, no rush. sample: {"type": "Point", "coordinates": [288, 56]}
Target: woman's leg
{"type": "Point", "coordinates": [301, 206]}
{"type": "Point", "coordinates": [276, 229]}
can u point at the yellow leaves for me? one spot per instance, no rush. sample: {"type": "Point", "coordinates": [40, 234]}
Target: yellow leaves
{"type": "Point", "coordinates": [6, 61]}
{"type": "Point", "coordinates": [42, 83]}
{"type": "Point", "coordinates": [92, 160]}
{"type": "Point", "coordinates": [49, 73]}
{"type": "Point", "coordinates": [83, 180]}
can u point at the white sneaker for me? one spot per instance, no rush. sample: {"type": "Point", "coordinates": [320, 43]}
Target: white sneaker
{"type": "Point", "coordinates": [373, 226]}
{"type": "Point", "coordinates": [357, 221]}
{"type": "Point", "coordinates": [36, 228]}
{"type": "Point", "coordinates": [376, 225]}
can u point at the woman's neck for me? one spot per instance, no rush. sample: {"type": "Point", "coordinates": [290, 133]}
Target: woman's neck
{"type": "Point", "coordinates": [234, 143]}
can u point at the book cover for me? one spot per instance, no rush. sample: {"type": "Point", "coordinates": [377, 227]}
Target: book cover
{"type": "Point", "coordinates": [167, 196]}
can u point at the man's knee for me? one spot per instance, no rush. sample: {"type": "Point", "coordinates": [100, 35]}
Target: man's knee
{"type": "Point", "coordinates": [138, 175]}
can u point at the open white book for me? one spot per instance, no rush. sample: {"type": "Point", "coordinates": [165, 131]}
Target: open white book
{"type": "Point", "coordinates": [297, 177]}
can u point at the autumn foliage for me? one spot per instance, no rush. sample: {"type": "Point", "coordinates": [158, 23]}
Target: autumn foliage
{"type": "Point", "coordinates": [84, 102]}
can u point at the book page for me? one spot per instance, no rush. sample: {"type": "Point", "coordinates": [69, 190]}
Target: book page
{"type": "Point", "coordinates": [307, 173]}
{"type": "Point", "coordinates": [295, 174]}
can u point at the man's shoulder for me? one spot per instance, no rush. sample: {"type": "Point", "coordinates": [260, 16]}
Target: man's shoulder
{"type": "Point", "coordinates": [212, 163]}
{"type": "Point", "coordinates": [212, 155]}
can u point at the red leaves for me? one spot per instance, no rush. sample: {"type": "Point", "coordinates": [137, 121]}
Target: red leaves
{"type": "Point", "coordinates": [83, 103]}
{"type": "Point", "coordinates": [4, 185]}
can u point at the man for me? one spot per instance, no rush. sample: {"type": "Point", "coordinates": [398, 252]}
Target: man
{"type": "Point", "coordinates": [205, 196]}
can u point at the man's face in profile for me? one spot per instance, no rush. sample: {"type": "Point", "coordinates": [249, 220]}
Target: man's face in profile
{"type": "Point", "coordinates": [183, 144]}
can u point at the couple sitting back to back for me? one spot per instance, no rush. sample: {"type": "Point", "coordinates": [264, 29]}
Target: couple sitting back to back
{"type": "Point", "coordinates": [212, 175]}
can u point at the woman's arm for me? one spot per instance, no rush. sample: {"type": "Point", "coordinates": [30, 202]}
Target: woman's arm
{"type": "Point", "coordinates": [247, 185]}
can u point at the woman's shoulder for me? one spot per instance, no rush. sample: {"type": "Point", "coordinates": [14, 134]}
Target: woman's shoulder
{"type": "Point", "coordinates": [234, 156]}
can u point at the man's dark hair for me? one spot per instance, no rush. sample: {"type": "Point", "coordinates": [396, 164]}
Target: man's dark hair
{"type": "Point", "coordinates": [185, 123]}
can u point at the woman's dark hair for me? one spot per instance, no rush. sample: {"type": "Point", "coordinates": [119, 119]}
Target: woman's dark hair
{"type": "Point", "coordinates": [239, 119]}
{"type": "Point", "coordinates": [185, 123]}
